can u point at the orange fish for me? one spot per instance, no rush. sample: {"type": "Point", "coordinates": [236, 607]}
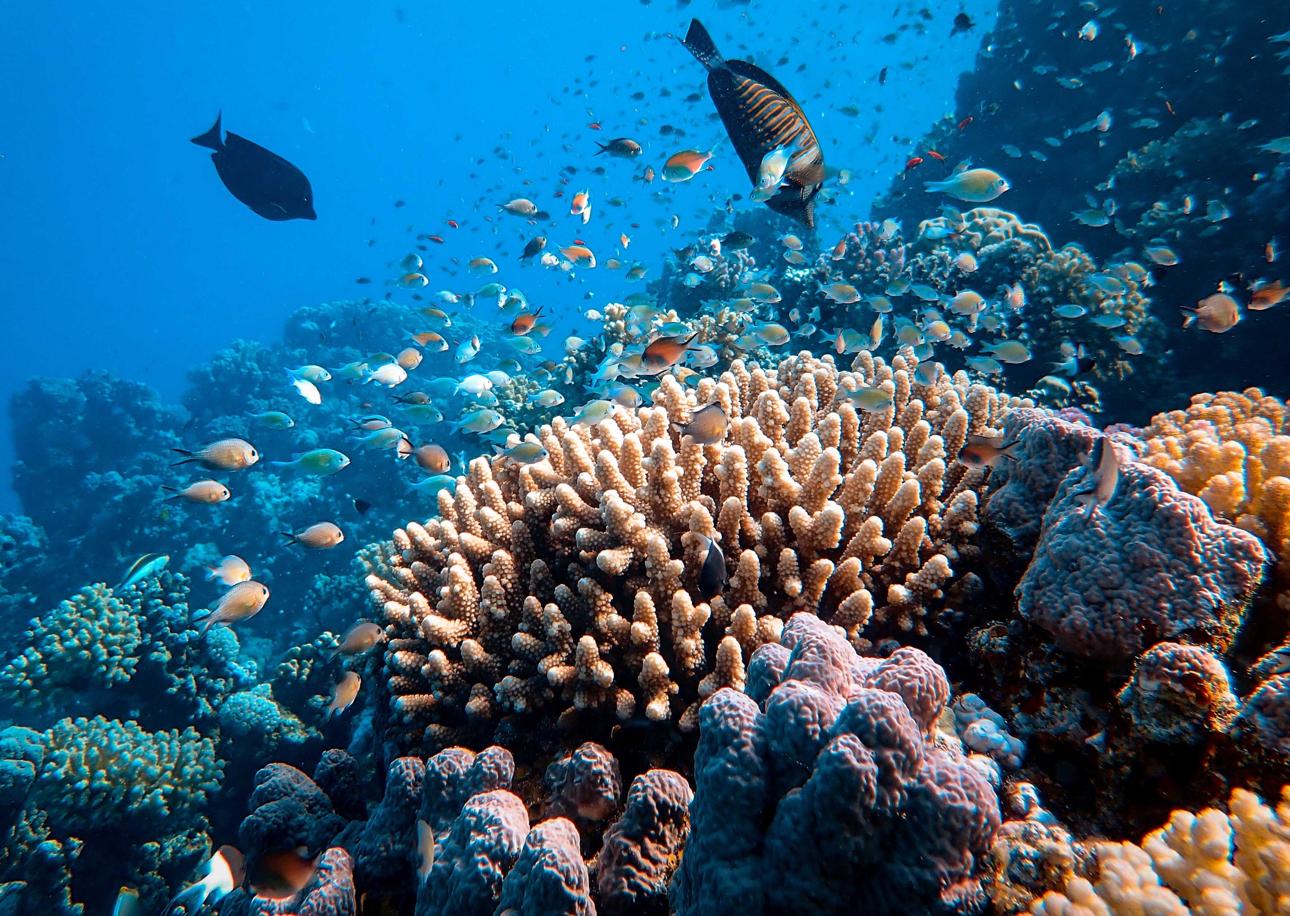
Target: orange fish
{"type": "Point", "coordinates": [648, 175]}
{"type": "Point", "coordinates": [1217, 314]}
{"type": "Point", "coordinates": [281, 874]}
{"type": "Point", "coordinates": [432, 458]}
{"type": "Point", "coordinates": [437, 239]}
{"type": "Point", "coordinates": [685, 165]}
{"type": "Point", "coordinates": [935, 155]}
{"type": "Point", "coordinates": [965, 122]}
{"type": "Point", "coordinates": [1266, 295]}
{"type": "Point", "coordinates": [624, 240]}
{"type": "Point", "coordinates": [581, 206]}
{"type": "Point", "coordinates": [839, 250]}
{"type": "Point", "coordinates": [664, 353]}
{"type": "Point", "coordinates": [344, 692]}
{"type": "Point", "coordinates": [430, 338]}
{"type": "Point", "coordinates": [524, 323]}
{"type": "Point", "coordinates": [913, 162]}
{"type": "Point", "coordinates": [579, 255]}
{"type": "Point", "coordinates": [454, 224]}
{"type": "Point", "coordinates": [986, 451]}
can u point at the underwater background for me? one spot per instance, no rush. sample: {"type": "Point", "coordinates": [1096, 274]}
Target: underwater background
{"type": "Point", "coordinates": [645, 457]}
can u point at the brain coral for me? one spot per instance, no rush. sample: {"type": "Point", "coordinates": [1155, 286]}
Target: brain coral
{"type": "Point", "coordinates": [1151, 564]}
{"type": "Point", "coordinates": [571, 585]}
{"type": "Point", "coordinates": [1232, 449]}
{"type": "Point", "coordinates": [824, 792]}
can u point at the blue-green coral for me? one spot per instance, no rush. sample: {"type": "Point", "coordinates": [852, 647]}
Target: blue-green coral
{"type": "Point", "coordinates": [89, 642]}
{"type": "Point", "coordinates": [129, 653]}
{"type": "Point", "coordinates": [100, 773]}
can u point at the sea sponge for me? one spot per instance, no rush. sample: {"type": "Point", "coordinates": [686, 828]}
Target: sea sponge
{"type": "Point", "coordinates": [572, 584]}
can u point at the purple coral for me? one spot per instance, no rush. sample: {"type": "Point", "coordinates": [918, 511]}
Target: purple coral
{"type": "Point", "coordinates": [549, 878]}
{"type": "Point", "coordinates": [1179, 694]}
{"type": "Point", "coordinates": [454, 775]}
{"type": "Point", "coordinates": [380, 844]}
{"type": "Point", "coordinates": [642, 848]}
{"type": "Point", "coordinates": [829, 797]}
{"type": "Point", "coordinates": [585, 785]}
{"type": "Point", "coordinates": [1265, 716]}
{"type": "Point", "coordinates": [471, 861]}
{"type": "Point", "coordinates": [1151, 564]}
{"type": "Point", "coordinates": [1047, 449]}
{"type": "Point", "coordinates": [287, 810]}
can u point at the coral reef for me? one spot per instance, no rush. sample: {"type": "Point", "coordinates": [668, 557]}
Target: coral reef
{"type": "Point", "coordinates": [1151, 564]}
{"type": "Point", "coordinates": [572, 584]}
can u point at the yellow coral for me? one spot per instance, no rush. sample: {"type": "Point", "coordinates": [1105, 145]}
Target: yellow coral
{"type": "Point", "coordinates": [1208, 863]}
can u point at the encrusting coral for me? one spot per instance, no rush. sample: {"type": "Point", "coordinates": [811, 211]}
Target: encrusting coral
{"type": "Point", "coordinates": [573, 584]}
{"type": "Point", "coordinates": [1232, 449]}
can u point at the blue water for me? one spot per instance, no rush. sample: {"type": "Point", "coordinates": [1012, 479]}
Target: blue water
{"type": "Point", "coordinates": [121, 250]}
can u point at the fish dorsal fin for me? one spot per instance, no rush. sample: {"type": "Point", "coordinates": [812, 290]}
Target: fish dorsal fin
{"type": "Point", "coordinates": [211, 139]}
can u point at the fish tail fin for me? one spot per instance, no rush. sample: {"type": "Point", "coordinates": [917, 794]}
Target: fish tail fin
{"type": "Point", "coordinates": [174, 490]}
{"type": "Point", "coordinates": [211, 574]}
{"type": "Point", "coordinates": [188, 456]}
{"type": "Point", "coordinates": [1189, 316]}
{"type": "Point", "coordinates": [291, 538]}
{"type": "Point", "coordinates": [604, 148]}
{"type": "Point", "coordinates": [699, 43]}
{"type": "Point", "coordinates": [213, 138]}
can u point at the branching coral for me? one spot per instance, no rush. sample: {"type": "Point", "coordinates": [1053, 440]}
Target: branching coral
{"type": "Point", "coordinates": [1207, 863]}
{"type": "Point", "coordinates": [572, 584]}
{"type": "Point", "coordinates": [99, 773]}
{"type": "Point", "coordinates": [129, 653]}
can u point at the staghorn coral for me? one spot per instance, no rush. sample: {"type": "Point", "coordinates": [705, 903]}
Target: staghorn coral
{"type": "Point", "coordinates": [1232, 449]}
{"type": "Point", "coordinates": [570, 585]}
{"type": "Point", "coordinates": [1208, 863]}
{"type": "Point", "coordinates": [824, 791]}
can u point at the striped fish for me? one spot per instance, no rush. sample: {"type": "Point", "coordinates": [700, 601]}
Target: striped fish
{"type": "Point", "coordinates": [761, 115]}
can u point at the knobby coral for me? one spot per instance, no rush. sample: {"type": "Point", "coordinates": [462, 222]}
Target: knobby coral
{"type": "Point", "coordinates": [572, 584]}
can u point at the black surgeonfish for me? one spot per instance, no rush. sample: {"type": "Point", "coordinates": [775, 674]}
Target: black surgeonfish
{"type": "Point", "coordinates": [264, 181]}
{"type": "Point", "coordinates": [760, 115]}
